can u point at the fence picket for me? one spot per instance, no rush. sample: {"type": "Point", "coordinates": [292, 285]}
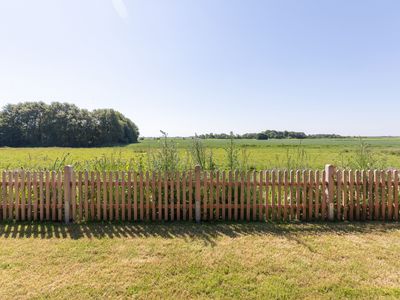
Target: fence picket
{"type": "Point", "coordinates": [98, 195]}
{"type": "Point", "coordinates": [205, 198]}
{"type": "Point", "coordinates": [86, 192]}
{"type": "Point", "coordinates": [364, 197]}
{"type": "Point", "coordinates": [376, 202]}
{"type": "Point", "coordinates": [211, 196]}
{"type": "Point", "coordinates": [184, 199]}
{"type": "Point", "coordinates": [92, 196]}
{"type": "Point", "coordinates": [223, 213]}
{"type": "Point", "coordinates": [10, 196]}
{"type": "Point", "coordinates": [267, 183]}
{"type": "Point", "coordinates": [285, 195]}
{"type": "Point", "coordinates": [59, 196]}
{"type": "Point", "coordinates": [123, 200]}
{"type": "Point", "coordinates": [105, 200]}
{"type": "Point", "coordinates": [390, 193]}
{"type": "Point", "coordinates": [279, 196]}
{"type": "Point", "coordinates": [323, 192]}
{"type": "Point", "coordinates": [370, 195]}
{"type": "Point", "coordinates": [129, 196]}
{"type": "Point", "coordinates": [159, 181]}
{"type": "Point", "coordinates": [310, 195]}
{"type": "Point", "coordinates": [4, 194]}
{"type": "Point", "coordinates": [260, 196]}
{"type": "Point", "coordinates": [304, 198]}
{"type": "Point", "coordinates": [172, 198]}
{"type": "Point", "coordinates": [153, 195]}
{"type": "Point", "coordinates": [141, 197]}
{"type": "Point", "coordinates": [351, 196]}
{"type": "Point", "coordinates": [53, 204]}
{"type": "Point", "coordinates": [273, 189]}
{"type": "Point", "coordinates": [383, 195]}
{"type": "Point", "coordinates": [396, 195]}
{"type": "Point", "coordinates": [110, 197]}
{"type": "Point", "coordinates": [339, 195]}
{"type": "Point", "coordinates": [254, 207]}
{"type": "Point", "coordinates": [116, 196]}
{"type": "Point", "coordinates": [358, 195]}
{"type": "Point", "coordinates": [16, 187]}
{"type": "Point", "coordinates": [166, 196]}
{"type": "Point", "coordinates": [47, 192]}
{"type": "Point", "coordinates": [23, 195]}
{"type": "Point", "coordinates": [246, 191]}
{"type": "Point", "coordinates": [35, 197]}
{"type": "Point", "coordinates": [317, 195]}
{"type": "Point", "coordinates": [135, 196]}
{"type": "Point", "coordinates": [190, 195]}
{"type": "Point", "coordinates": [292, 194]}
{"type": "Point", "coordinates": [29, 196]}
{"type": "Point", "coordinates": [147, 193]}
{"type": "Point", "coordinates": [236, 200]}
{"type": "Point", "coordinates": [345, 177]}
{"type": "Point", "coordinates": [230, 187]}
{"type": "Point", "coordinates": [217, 195]}
{"type": "Point", "coordinates": [73, 196]}
{"type": "Point", "coordinates": [298, 191]}
{"type": "Point", "coordinates": [81, 191]}
{"type": "Point", "coordinates": [41, 198]}
{"type": "Point", "coordinates": [178, 196]}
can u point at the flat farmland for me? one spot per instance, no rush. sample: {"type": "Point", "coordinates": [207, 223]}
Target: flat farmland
{"type": "Point", "coordinates": [313, 153]}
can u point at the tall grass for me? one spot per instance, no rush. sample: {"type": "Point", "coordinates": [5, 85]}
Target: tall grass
{"type": "Point", "coordinates": [232, 154]}
{"type": "Point", "coordinates": [296, 158]}
{"type": "Point", "coordinates": [201, 155]}
{"type": "Point", "coordinates": [169, 155]}
{"type": "Point", "coordinates": [363, 158]}
{"type": "Point", "coordinates": [166, 158]}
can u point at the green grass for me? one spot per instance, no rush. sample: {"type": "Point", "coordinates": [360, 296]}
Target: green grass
{"type": "Point", "coordinates": [262, 154]}
{"type": "Point", "coordinates": [181, 261]}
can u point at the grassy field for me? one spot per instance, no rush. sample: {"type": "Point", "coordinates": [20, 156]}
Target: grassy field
{"type": "Point", "coordinates": [262, 154]}
{"type": "Point", "coordinates": [181, 261]}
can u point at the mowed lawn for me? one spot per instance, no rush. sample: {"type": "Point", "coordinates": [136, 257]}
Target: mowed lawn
{"type": "Point", "coordinates": [261, 154]}
{"type": "Point", "coordinates": [182, 261]}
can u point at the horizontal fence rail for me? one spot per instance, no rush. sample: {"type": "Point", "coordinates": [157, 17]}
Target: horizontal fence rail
{"type": "Point", "coordinates": [272, 195]}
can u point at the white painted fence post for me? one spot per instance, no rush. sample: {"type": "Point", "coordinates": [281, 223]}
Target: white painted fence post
{"type": "Point", "coordinates": [329, 191]}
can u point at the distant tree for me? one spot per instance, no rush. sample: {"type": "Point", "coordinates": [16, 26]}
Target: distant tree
{"type": "Point", "coordinates": [267, 134]}
{"type": "Point", "coordinates": [64, 125]}
{"type": "Point", "coordinates": [262, 136]}
{"type": "Point", "coordinates": [324, 136]}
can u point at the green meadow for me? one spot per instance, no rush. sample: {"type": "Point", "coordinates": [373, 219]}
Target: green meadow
{"type": "Point", "coordinates": [308, 153]}
{"type": "Point", "coordinates": [199, 261]}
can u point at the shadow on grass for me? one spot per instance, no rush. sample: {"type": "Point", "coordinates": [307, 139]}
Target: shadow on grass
{"type": "Point", "coordinates": [207, 232]}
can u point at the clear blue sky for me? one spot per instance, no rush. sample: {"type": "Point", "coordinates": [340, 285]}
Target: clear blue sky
{"type": "Point", "coordinates": [210, 65]}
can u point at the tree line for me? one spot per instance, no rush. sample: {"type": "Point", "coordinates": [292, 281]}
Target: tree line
{"type": "Point", "coordinates": [266, 135]}
{"type": "Point", "coordinates": [63, 125]}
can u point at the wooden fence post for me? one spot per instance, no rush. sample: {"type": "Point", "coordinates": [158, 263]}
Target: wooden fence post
{"type": "Point", "coordinates": [329, 191]}
{"type": "Point", "coordinates": [197, 194]}
{"type": "Point", "coordinates": [67, 192]}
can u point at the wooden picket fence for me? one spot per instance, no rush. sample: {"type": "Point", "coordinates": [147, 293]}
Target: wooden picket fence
{"type": "Point", "coordinates": [271, 195]}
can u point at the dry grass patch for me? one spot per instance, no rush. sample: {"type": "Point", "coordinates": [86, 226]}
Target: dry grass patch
{"type": "Point", "coordinates": [287, 261]}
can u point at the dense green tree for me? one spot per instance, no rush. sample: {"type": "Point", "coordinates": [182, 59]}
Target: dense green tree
{"type": "Point", "coordinates": [64, 125]}
{"type": "Point", "coordinates": [262, 136]}
{"type": "Point", "coordinates": [267, 134]}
